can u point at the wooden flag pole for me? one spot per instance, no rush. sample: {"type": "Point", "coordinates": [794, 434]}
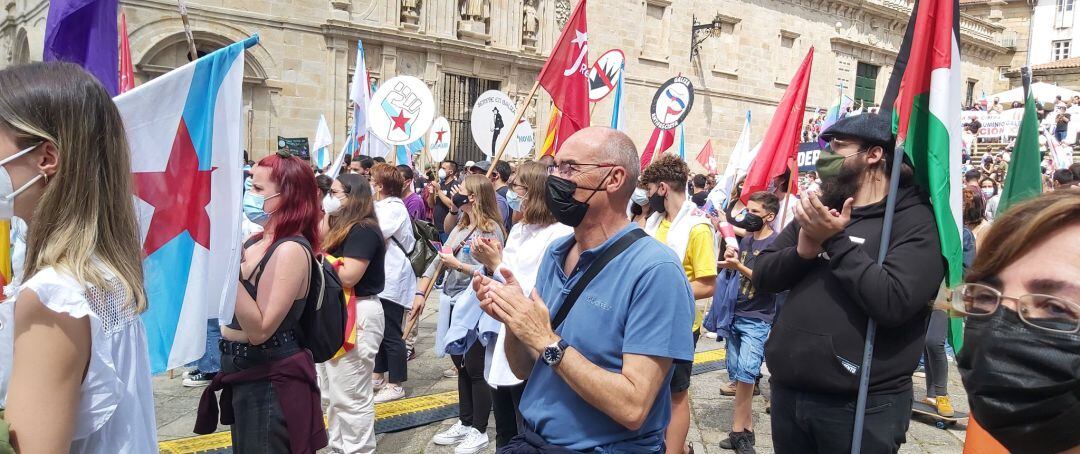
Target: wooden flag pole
{"type": "Point", "coordinates": [513, 126]}
{"type": "Point", "coordinates": [192, 53]}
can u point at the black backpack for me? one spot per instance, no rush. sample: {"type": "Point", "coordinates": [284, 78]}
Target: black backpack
{"type": "Point", "coordinates": [423, 251]}
{"type": "Point", "coordinates": [323, 322]}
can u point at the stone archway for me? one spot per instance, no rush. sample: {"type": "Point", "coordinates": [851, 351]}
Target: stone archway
{"type": "Point", "coordinates": [171, 52]}
{"type": "Point", "coordinates": [21, 51]}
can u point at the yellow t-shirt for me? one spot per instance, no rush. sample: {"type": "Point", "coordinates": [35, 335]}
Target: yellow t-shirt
{"type": "Point", "coordinates": [700, 259]}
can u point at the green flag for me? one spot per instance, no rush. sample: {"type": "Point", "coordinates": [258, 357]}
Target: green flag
{"type": "Point", "coordinates": [1023, 180]}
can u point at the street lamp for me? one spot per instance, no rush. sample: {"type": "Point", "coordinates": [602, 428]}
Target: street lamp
{"type": "Point", "coordinates": [706, 31]}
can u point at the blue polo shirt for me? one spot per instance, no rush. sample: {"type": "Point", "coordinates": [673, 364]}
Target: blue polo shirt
{"type": "Point", "coordinates": [641, 303]}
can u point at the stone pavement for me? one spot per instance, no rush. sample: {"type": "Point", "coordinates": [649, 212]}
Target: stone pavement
{"type": "Point", "coordinates": [710, 423]}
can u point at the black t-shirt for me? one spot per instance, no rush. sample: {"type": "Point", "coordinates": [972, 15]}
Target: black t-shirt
{"type": "Point", "coordinates": [750, 303]}
{"type": "Point", "coordinates": [448, 189]}
{"type": "Point", "coordinates": [365, 243]}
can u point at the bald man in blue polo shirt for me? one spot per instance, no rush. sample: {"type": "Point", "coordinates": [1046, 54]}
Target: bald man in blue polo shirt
{"type": "Point", "coordinates": [599, 381]}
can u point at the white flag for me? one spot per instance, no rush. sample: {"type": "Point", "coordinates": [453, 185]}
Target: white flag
{"type": "Point", "coordinates": [323, 139]}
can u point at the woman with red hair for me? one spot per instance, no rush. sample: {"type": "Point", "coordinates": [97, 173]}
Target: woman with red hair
{"type": "Point", "coordinates": [274, 393]}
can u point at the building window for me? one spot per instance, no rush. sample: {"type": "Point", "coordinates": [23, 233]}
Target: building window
{"type": "Point", "coordinates": [1002, 71]}
{"type": "Point", "coordinates": [787, 39]}
{"type": "Point", "coordinates": [655, 29]}
{"type": "Point", "coordinates": [1064, 13]}
{"type": "Point", "coordinates": [1061, 49]}
{"type": "Point", "coordinates": [866, 83]}
{"type": "Point", "coordinates": [459, 95]}
{"type": "Point", "coordinates": [969, 97]}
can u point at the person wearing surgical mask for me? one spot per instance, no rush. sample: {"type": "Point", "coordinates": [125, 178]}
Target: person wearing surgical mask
{"type": "Point", "coordinates": [1020, 363]}
{"type": "Point", "coordinates": [356, 246]}
{"type": "Point", "coordinates": [638, 209]}
{"type": "Point", "coordinates": [80, 347]}
{"type": "Point", "coordinates": [989, 190]}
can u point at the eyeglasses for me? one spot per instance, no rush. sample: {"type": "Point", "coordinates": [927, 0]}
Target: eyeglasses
{"type": "Point", "coordinates": [1046, 312]}
{"type": "Point", "coordinates": [567, 169]}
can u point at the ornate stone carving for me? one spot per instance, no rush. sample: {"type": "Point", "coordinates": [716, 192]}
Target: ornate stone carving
{"type": "Point", "coordinates": [410, 12]}
{"type": "Point", "coordinates": [476, 10]}
{"type": "Point", "coordinates": [562, 12]}
{"type": "Point", "coordinates": [530, 26]}
{"type": "Point", "coordinates": [475, 17]}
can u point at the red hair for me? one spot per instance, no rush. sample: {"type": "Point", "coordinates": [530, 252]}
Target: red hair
{"type": "Point", "coordinates": [300, 211]}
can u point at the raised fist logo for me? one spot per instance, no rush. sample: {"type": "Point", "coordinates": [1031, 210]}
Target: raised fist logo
{"type": "Point", "coordinates": [402, 106]}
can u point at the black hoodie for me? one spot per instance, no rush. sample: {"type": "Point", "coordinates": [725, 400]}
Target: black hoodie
{"type": "Point", "coordinates": [816, 344]}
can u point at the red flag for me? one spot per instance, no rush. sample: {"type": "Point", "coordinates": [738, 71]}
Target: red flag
{"type": "Point", "coordinates": [781, 142]}
{"type": "Point", "coordinates": [666, 139]}
{"type": "Point", "coordinates": [704, 157]}
{"type": "Point", "coordinates": [127, 72]}
{"type": "Point", "coordinates": [565, 74]}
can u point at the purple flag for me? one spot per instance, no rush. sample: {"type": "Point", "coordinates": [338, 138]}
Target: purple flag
{"type": "Point", "coordinates": [84, 32]}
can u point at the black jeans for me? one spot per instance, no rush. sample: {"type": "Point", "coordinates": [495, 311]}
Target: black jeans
{"type": "Point", "coordinates": [937, 366]}
{"type": "Point", "coordinates": [805, 422]}
{"type": "Point", "coordinates": [507, 417]}
{"type": "Point", "coordinates": [392, 356]}
{"type": "Point", "coordinates": [474, 394]}
{"type": "Point", "coordinates": [260, 424]}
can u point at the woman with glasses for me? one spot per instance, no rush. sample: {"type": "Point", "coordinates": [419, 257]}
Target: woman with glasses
{"type": "Point", "coordinates": [1021, 358]}
{"type": "Point", "coordinates": [525, 248]}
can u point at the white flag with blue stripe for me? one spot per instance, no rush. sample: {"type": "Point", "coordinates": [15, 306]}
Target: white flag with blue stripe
{"type": "Point", "coordinates": [323, 140]}
{"type": "Point", "coordinates": [187, 160]}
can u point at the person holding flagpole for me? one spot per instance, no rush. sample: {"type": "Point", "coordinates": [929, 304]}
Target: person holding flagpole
{"type": "Point", "coordinates": [826, 259]}
{"type": "Point", "coordinates": [80, 378]}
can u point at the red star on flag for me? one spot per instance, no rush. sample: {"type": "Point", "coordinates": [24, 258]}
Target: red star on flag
{"type": "Point", "coordinates": [438, 135]}
{"type": "Point", "coordinates": [179, 195]}
{"type": "Point", "coordinates": [400, 120]}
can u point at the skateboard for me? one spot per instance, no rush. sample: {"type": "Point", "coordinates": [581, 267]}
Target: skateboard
{"type": "Point", "coordinates": [941, 422]}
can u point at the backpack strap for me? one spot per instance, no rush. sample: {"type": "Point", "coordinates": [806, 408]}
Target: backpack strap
{"type": "Point", "coordinates": [610, 253]}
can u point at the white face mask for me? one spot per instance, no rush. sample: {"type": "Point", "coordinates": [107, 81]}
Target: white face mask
{"type": "Point", "coordinates": [7, 192]}
{"type": "Point", "coordinates": [442, 174]}
{"type": "Point", "coordinates": [331, 204]}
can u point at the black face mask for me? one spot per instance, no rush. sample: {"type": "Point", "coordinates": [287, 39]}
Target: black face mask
{"type": "Point", "coordinates": [750, 222]}
{"type": "Point", "coordinates": [460, 200]}
{"type": "Point", "coordinates": [656, 202]}
{"type": "Point", "coordinates": [1023, 383]}
{"type": "Point", "coordinates": [559, 197]}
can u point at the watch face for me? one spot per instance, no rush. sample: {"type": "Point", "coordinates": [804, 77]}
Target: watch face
{"type": "Point", "coordinates": [551, 354]}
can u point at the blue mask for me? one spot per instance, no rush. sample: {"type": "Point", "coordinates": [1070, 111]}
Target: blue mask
{"type": "Point", "coordinates": [253, 207]}
{"type": "Point", "coordinates": [514, 200]}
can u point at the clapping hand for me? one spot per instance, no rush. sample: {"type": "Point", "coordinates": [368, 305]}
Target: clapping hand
{"type": "Point", "coordinates": [526, 317]}
{"type": "Point", "coordinates": [731, 259]}
{"type": "Point", "coordinates": [487, 251]}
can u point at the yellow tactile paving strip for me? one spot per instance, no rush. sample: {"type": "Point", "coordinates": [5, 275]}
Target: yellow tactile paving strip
{"type": "Point", "coordinates": [221, 440]}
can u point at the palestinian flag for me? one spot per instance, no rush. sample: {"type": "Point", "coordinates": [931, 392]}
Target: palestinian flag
{"type": "Point", "coordinates": [926, 117]}
{"type": "Point", "coordinates": [1024, 178]}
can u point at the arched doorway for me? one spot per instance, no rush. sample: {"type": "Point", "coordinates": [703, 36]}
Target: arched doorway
{"type": "Point", "coordinates": [21, 52]}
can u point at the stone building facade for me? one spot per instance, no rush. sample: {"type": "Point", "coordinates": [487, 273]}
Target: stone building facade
{"type": "Point", "coordinates": [304, 64]}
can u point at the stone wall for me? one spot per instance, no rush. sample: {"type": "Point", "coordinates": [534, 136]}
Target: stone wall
{"type": "Point", "coordinates": [303, 66]}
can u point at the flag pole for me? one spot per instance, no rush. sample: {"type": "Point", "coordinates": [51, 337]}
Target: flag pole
{"type": "Point", "coordinates": [513, 126]}
{"type": "Point", "coordinates": [192, 53]}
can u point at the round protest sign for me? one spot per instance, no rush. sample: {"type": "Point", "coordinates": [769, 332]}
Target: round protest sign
{"type": "Point", "coordinates": [605, 73]}
{"type": "Point", "coordinates": [401, 110]}
{"type": "Point", "coordinates": [439, 139]}
{"type": "Point", "coordinates": [491, 118]}
{"type": "Point", "coordinates": [523, 146]}
{"type": "Point", "coordinates": [672, 102]}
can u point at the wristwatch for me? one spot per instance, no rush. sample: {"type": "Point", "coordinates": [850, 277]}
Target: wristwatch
{"type": "Point", "coordinates": [553, 354]}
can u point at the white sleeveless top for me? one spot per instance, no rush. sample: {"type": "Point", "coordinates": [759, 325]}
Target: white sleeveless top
{"type": "Point", "coordinates": [116, 413]}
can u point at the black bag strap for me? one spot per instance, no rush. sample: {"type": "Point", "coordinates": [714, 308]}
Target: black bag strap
{"type": "Point", "coordinates": [610, 253]}
{"type": "Point", "coordinates": [256, 272]}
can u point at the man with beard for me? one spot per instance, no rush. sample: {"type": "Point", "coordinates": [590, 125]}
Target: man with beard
{"type": "Point", "coordinates": [827, 260]}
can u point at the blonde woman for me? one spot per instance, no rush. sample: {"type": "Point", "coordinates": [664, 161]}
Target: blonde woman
{"type": "Point", "coordinates": [80, 375]}
{"type": "Point", "coordinates": [480, 219]}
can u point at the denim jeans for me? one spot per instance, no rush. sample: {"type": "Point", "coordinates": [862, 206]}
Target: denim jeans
{"type": "Point", "coordinates": [746, 348]}
{"type": "Point", "coordinates": [211, 359]}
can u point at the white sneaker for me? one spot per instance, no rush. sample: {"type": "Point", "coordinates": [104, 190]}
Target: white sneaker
{"type": "Point", "coordinates": [710, 335]}
{"type": "Point", "coordinates": [450, 373]}
{"type": "Point", "coordinates": [473, 442]}
{"type": "Point", "coordinates": [389, 393]}
{"type": "Point", "coordinates": [452, 436]}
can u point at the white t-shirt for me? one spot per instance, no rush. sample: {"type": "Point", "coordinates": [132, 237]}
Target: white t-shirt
{"type": "Point", "coordinates": [116, 411]}
{"type": "Point", "coordinates": [394, 221]}
{"type": "Point", "coordinates": [7, 311]}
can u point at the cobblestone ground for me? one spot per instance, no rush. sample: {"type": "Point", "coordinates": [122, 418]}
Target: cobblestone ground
{"type": "Point", "coordinates": [710, 423]}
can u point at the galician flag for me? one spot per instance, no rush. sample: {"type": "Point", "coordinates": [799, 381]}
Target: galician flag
{"type": "Point", "coordinates": [738, 163]}
{"type": "Point", "coordinates": [926, 118]}
{"type": "Point", "coordinates": [186, 157]}
{"type": "Point", "coordinates": [1024, 178]}
{"type": "Point", "coordinates": [323, 140]}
